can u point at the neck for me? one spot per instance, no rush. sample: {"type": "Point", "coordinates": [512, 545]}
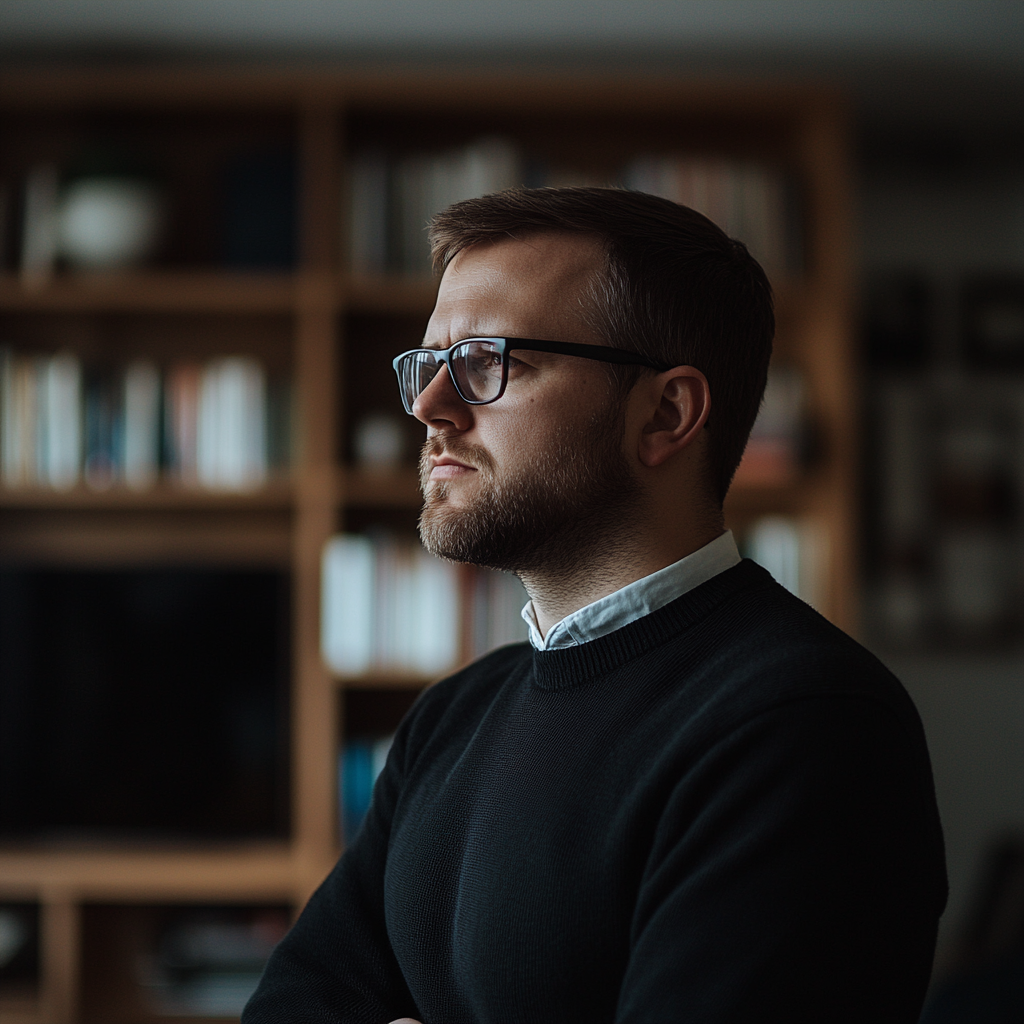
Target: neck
{"type": "Point", "coordinates": [611, 566]}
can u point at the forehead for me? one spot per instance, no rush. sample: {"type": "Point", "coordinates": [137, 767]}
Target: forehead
{"type": "Point", "coordinates": [531, 287]}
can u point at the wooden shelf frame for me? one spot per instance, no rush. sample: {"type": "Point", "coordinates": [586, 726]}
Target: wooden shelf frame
{"type": "Point", "coordinates": [806, 124]}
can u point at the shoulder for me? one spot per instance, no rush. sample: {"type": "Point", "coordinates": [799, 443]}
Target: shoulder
{"type": "Point", "coordinates": [762, 647]}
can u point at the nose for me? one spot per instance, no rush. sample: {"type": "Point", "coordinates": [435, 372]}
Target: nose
{"type": "Point", "coordinates": [439, 406]}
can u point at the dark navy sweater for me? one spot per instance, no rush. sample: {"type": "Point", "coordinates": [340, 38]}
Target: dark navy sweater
{"type": "Point", "coordinates": [723, 811]}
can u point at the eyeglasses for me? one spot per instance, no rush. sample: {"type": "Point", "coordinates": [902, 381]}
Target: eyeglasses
{"type": "Point", "coordinates": [478, 367]}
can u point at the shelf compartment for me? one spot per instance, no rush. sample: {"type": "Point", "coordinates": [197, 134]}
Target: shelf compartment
{"type": "Point", "coordinates": [174, 962]}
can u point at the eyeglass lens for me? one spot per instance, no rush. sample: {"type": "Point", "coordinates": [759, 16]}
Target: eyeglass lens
{"type": "Point", "coordinates": [475, 366]}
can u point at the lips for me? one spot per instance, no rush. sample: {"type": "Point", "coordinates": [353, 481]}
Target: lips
{"type": "Point", "coordinates": [444, 467]}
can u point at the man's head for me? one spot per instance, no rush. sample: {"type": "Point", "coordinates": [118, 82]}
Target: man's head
{"type": "Point", "coordinates": [545, 473]}
{"type": "Point", "coordinates": [669, 284]}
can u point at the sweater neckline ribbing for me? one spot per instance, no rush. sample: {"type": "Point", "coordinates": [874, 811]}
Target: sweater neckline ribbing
{"type": "Point", "coordinates": [569, 667]}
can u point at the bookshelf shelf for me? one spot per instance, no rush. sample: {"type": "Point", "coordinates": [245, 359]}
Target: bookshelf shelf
{"type": "Point", "coordinates": [331, 332]}
{"type": "Point", "coordinates": [385, 681]}
{"type": "Point", "coordinates": [153, 292]}
{"type": "Point", "coordinates": [275, 496]}
{"type": "Point", "coordinates": [388, 489]}
{"type": "Point", "coordinates": [389, 295]}
{"type": "Point", "coordinates": [231, 873]}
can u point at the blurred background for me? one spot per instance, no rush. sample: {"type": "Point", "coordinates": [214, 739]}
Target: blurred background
{"type": "Point", "coordinates": [211, 246]}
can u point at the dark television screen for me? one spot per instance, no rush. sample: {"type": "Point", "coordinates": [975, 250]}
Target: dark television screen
{"type": "Point", "coordinates": [143, 703]}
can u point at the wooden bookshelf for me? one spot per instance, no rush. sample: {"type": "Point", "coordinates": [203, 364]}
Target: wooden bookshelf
{"type": "Point", "coordinates": [318, 316]}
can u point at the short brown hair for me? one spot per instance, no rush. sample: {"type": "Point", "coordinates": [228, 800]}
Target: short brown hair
{"type": "Point", "coordinates": [675, 289]}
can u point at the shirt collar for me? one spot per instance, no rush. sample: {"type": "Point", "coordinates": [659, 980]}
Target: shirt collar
{"type": "Point", "coordinates": [636, 599]}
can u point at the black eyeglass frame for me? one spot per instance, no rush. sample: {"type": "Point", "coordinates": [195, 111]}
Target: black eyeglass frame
{"type": "Point", "coordinates": [506, 345]}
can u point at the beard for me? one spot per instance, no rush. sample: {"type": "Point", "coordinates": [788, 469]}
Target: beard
{"type": "Point", "coordinates": [548, 514]}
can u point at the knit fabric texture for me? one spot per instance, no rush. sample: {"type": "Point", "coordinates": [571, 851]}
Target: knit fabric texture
{"type": "Point", "coordinates": [722, 812]}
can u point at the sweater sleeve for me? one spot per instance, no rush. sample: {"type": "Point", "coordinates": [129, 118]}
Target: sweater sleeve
{"type": "Point", "coordinates": [336, 964]}
{"type": "Point", "coordinates": [796, 874]}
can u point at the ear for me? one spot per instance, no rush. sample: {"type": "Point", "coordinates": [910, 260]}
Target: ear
{"type": "Point", "coordinates": [680, 401]}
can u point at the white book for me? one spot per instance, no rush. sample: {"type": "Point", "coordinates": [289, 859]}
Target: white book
{"type": "Point", "coordinates": [368, 213]}
{"type": "Point", "coordinates": [39, 230]}
{"type": "Point", "coordinates": [208, 427]}
{"type": "Point", "coordinates": [795, 552]}
{"type": "Point", "coordinates": [348, 572]}
{"type": "Point", "coordinates": [774, 543]}
{"type": "Point", "coordinates": [253, 380]}
{"type": "Point", "coordinates": [231, 435]}
{"type": "Point", "coordinates": [507, 598]}
{"type": "Point", "coordinates": [384, 602]}
{"type": "Point", "coordinates": [437, 623]}
{"type": "Point", "coordinates": [141, 439]}
{"type": "Point", "coordinates": [402, 646]}
{"type": "Point", "coordinates": [62, 385]}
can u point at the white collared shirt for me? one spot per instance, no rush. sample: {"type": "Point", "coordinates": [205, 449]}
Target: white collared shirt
{"type": "Point", "coordinates": [636, 599]}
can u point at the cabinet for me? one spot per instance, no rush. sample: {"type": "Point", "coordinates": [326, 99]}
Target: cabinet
{"type": "Point", "coordinates": [333, 331]}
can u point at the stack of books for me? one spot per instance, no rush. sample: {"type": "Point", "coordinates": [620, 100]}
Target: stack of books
{"type": "Point", "coordinates": [794, 551]}
{"type": "Point", "coordinates": [218, 425]}
{"type": "Point", "coordinates": [392, 199]}
{"type": "Point", "coordinates": [748, 201]}
{"type": "Point", "coordinates": [389, 606]}
{"type": "Point", "coordinates": [207, 963]}
{"type": "Point", "coordinates": [775, 451]}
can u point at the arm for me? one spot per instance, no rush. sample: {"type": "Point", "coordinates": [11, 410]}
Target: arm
{"type": "Point", "coordinates": [336, 963]}
{"type": "Point", "coordinates": [796, 875]}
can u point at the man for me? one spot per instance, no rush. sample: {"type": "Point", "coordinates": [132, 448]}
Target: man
{"type": "Point", "coordinates": [690, 798]}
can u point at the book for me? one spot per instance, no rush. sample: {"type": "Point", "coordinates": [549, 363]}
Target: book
{"type": "Point", "coordinates": [498, 600]}
{"type": "Point", "coordinates": [360, 763]}
{"type": "Point", "coordinates": [17, 418]}
{"type": "Point", "coordinates": [231, 449]}
{"type": "Point", "coordinates": [794, 551]}
{"type": "Point", "coordinates": [748, 201]}
{"type": "Point", "coordinates": [61, 434]}
{"type": "Point", "coordinates": [346, 604]}
{"type": "Point", "coordinates": [392, 199]}
{"type": "Point", "coordinates": [388, 606]}
{"type": "Point", "coordinates": [141, 403]}
{"type": "Point", "coordinates": [774, 451]}
{"type": "Point", "coordinates": [103, 427]}
{"type": "Point", "coordinates": [181, 422]}
{"type": "Point", "coordinates": [39, 227]}
{"type": "Point", "coordinates": [208, 962]}
{"type": "Point", "coordinates": [368, 213]}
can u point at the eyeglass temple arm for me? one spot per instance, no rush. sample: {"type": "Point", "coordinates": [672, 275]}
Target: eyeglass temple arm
{"type": "Point", "coordinates": [599, 352]}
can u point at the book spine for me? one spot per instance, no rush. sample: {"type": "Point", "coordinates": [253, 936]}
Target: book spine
{"type": "Point", "coordinates": [141, 424]}
{"type": "Point", "coordinates": [348, 577]}
{"type": "Point", "coordinates": [181, 410]}
{"type": "Point", "coordinates": [368, 215]}
{"type": "Point", "coordinates": [103, 428]}
{"type": "Point", "coordinates": [64, 421]}
{"type": "Point", "coordinates": [39, 231]}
